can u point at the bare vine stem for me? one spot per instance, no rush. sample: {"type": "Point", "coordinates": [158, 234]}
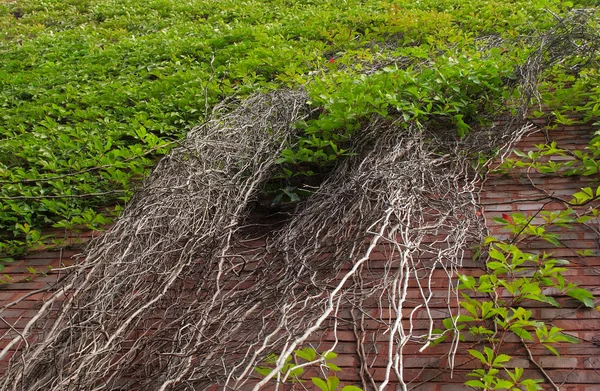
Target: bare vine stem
{"type": "Point", "coordinates": [539, 367]}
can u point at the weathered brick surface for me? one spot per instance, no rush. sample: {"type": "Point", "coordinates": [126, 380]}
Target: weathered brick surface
{"type": "Point", "coordinates": [577, 369]}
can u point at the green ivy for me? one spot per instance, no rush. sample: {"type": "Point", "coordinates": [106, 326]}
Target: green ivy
{"type": "Point", "coordinates": [494, 304]}
{"type": "Point", "coordinates": [93, 92]}
{"type": "Point", "coordinates": [295, 365]}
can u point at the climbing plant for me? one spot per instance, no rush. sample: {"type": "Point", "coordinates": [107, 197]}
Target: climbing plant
{"type": "Point", "coordinates": [495, 303]}
{"type": "Point", "coordinates": [294, 369]}
{"type": "Point", "coordinates": [172, 297]}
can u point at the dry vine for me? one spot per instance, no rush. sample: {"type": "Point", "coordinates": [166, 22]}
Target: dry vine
{"type": "Point", "coordinates": [175, 298]}
{"type": "Point", "coordinates": [122, 320]}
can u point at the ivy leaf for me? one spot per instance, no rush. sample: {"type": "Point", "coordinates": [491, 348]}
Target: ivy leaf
{"type": "Point", "coordinates": [308, 354]}
{"type": "Point", "coordinates": [333, 382]}
{"type": "Point", "coordinates": [320, 383]}
{"type": "Point", "coordinates": [583, 295]}
{"type": "Point", "coordinates": [475, 384]}
{"type": "Point", "coordinates": [351, 388]}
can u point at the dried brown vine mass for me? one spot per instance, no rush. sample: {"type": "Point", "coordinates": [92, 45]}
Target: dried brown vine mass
{"type": "Point", "coordinates": [168, 299]}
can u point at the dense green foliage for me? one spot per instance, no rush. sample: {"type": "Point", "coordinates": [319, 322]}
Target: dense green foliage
{"type": "Point", "coordinates": [92, 92]}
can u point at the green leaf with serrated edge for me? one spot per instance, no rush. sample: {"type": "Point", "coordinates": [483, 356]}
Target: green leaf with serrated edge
{"type": "Point", "coordinates": [494, 265]}
{"type": "Point", "coordinates": [548, 299]}
{"type": "Point", "coordinates": [501, 358]}
{"type": "Point", "coordinates": [475, 384]}
{"type": "Point", "coordinates": [530, 288]}
{"type": "Point", "coordinates": [500, 220]}
{"type": "Point", "coordinates": [263, 370]}
{"type": "Point", "coordinates": [296, 372]}
{"type": "Point", "coordinates": [478, 355]}
{"type": "Point", "coordinates": [351, 388]}
{"type": "Point", "coordinates": [496, 254]}
{"type": "Point", "coordinates": [585, 253]}
{"type": "Point", "coordinates": [571, 339]}
{"type": "Point", "coordinates": [551, 239]}
{"type": "Point", "coordinates": [519, 372]}
{"type": "Point", "coordinates": [320, 383]}
{"type": "Point", "coordinates": [532, 384]}
{"type": "Point", "coordinates": [551, 349]}
{"type": "Point", "coordinates": [439, 340]}
{"type": "Point", "coordinates": [503, 384]}
{"type": "Point", "coordinates": [489, 354]}
{"type": "Point", "coordinates": [490, 239]}
{"type": "Point", "coordinates": [333, 367]}
{"type": "Point", "coordinates": [271, 358]}
{"type": "Point", "coordinates": [466, 281]}
{"type": "Point", "coordinates": [330, 355]}
{"type": "Point", "coordinates": [449, 324]}
{"type": "Point", "coordinates": [308, 354]}
{"type": "Point", "coordinates": [333, 382]}
{"type": "Point", "coordinates": [521, 333]}
{"type": "Point", "coordinates": [583, 295]}
{"type": "Point", "coordinates": [516, 375]}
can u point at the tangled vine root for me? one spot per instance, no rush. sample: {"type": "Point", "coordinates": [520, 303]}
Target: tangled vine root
{"type": "Point", "coordinates": [574, 35]}
{"type": "Point", "coordinates": [122, 314]}
{"type": "Point", "coordinates": [178, 296]}
{"type": "Point", "coordinates": [169, 299]}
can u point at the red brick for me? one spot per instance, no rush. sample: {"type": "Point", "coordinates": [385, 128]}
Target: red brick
{"type": "Point", "coordinates": [455, 387]}
{"type": "Point", "coordinates": [557, 362]}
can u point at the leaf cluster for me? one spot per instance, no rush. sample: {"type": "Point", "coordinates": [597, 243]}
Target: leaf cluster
{"type": "Point", "coordinates": [295, 365]}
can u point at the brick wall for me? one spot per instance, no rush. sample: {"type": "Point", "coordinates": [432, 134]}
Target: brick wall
{"type": "Point", "coordinates": [577, 369]}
